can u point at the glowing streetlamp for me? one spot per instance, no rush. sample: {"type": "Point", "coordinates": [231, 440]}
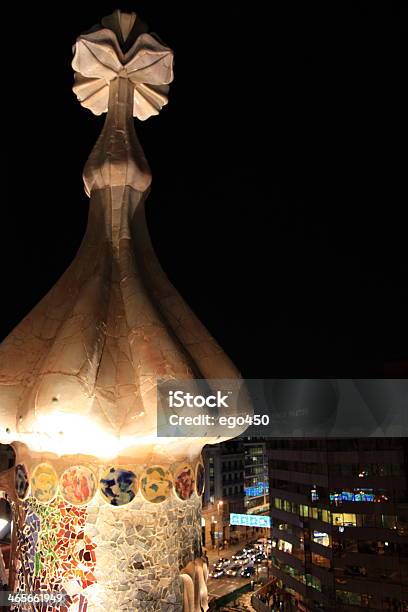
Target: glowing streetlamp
{"type": "Point", "coordinates": [104, 510]}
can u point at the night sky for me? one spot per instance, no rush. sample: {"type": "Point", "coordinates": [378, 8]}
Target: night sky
{"type": "Point", "coordinates": [279, 174]}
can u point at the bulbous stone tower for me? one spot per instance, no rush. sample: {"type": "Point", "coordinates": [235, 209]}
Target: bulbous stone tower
{"type": "Point", "coordinates": [105, 512]}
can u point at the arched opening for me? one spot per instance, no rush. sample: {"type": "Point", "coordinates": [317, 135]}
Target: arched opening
{"type": "Point", "coordinates": [5, 541]}
{"type": "Point", "coordinates": [7, 461]}
{"type": "Point", "coordinates": [7, 457]}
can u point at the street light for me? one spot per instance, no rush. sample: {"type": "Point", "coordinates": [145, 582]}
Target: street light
{"type": "Point", "coordinates": [220, 505]}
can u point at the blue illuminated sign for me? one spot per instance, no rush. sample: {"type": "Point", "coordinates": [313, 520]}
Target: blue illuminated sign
{"type": "Point", "coordinates": [357, 495]}
{"type": "Point", "coordinates": [250, 520]}
{"type": "Point", "coordinates": [253, 491]}
{"type": "Point", "coordinates": [259, 489]}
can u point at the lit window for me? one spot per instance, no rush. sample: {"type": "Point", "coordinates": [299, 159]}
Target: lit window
{"type": "Point", "coordinates": [313, 513]}
{"type": "Point", "coordinates": [314, 494]}
{"type": "Point", "coordinates": [326, 516]}
{"type": "Point", "coordinates": [344, 520]}
{"type": "Point", "coordinates": [285, 546]}
{"type": "Point", "coordinates": [320, 537]}
{"type": "Point", "coordinates": [349, 520]}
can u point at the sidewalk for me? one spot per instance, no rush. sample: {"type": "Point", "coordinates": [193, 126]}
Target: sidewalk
{"type": "Point", "coordinates": [244, 603]}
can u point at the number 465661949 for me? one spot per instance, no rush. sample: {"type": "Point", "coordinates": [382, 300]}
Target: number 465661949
{"type": "Point", "coordinates": [16, 598]}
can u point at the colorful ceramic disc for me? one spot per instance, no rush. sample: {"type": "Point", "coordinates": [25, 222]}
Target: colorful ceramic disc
{"type": "Point", "coordinates": [78, 485]}
{"type": "Point", "coordinates": [156, 484]}
{"type": "Point", "coordinates": [44, 482]}
{"type": "Point", "coordinates": [21, 481]}
{"type": "Point", "coordinates": [118, 486]}
{"type": "Point", "coordinates": [200, 479]}
{"type": "Point", "coordinates": [184, 482]}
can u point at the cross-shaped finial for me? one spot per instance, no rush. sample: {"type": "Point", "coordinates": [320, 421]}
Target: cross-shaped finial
{"type": "Point", "coordinates": [104, 54]}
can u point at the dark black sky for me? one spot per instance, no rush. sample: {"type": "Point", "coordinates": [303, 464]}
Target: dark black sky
{"type": "Point", "coordinates": [280, 174]}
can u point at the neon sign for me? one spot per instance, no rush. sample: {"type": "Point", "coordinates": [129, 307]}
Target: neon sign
{"type": "Point", "coordinates": [357, 495]}
{"type": "Point", "coordinates": [259, 489]}
{"type": "Point", "coordinates": [250, 520]}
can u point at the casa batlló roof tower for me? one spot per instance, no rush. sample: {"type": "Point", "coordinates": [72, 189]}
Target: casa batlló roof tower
{"type": "Point", "coordinates": [104, 511]}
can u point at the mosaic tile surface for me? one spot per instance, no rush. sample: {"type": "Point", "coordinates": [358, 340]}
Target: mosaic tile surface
{"type": "Point", "coordinates": [118, 486]}
{"type": "Point", "coordinates": [44, 482]}
{"type": "Point", "coordinates": [54, 554]}
{"type": "Point", "coordinates": [78, 485]}
{"type": "Point", "coordinates": [156, 484]}
{"type": "Point", "coordinates": [21, 481]}
{"type": "Point", "coordinates": [140, 550]}
{"type": "Point", "coordinates": [105, 558]}
{"type": "Point", "coordinates": [184, 481]}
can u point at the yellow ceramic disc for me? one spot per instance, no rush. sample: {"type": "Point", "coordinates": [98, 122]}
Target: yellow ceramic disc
{"type": "Point", "coordinates": [44, 482]}
{"type": "Point", "coordinates": [156, 484]}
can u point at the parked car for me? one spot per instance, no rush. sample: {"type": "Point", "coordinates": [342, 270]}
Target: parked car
{"type": "Point", "coordinates": [247, 572]}
{"type": "Point", "coordinates": [224, 560]}
{"type": "Point", "coordinates": [234, 570]}
{"type": "Point", "coordinates": [217, 573]}
{"type": "Point", "coordinates": [221, 563]}
{"type": "Point", "coordinates": [242, 561]}
{"type": "Point", "coordinates": [240, 554]}
{"type": "Point", "coordinates": [250, 550]}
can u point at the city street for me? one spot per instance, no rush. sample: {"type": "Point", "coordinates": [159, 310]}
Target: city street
{"type": "Point", "coordinates": [222, 586]}
{"type": "Point", "coordinates": [214, 555]}
{"type": "Point", "coordinates": [217, 587]}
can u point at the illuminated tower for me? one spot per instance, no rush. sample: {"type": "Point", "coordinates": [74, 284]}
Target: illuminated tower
{"type": "Point", "coordinates": [104, 510]}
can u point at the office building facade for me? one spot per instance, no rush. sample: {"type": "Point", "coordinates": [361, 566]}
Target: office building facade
{"type": "Point", "coordinates": [224, 492]}
{"type": "Point", "coordinates": [256, 476]}
{"type": "Point", "coordinates": [340, 522]}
